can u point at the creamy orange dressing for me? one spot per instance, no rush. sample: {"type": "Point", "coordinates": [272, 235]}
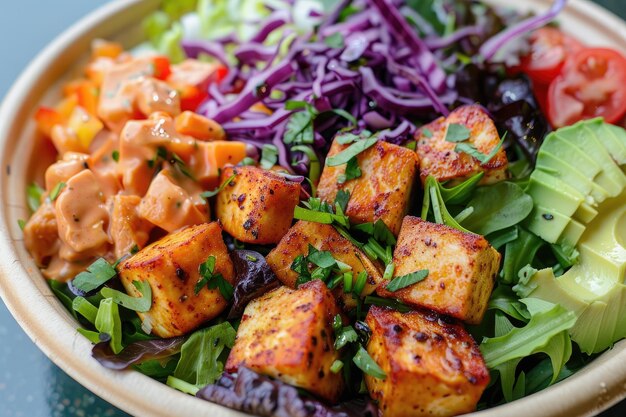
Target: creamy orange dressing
{"type": "Point", "coordinates": [126, 174]}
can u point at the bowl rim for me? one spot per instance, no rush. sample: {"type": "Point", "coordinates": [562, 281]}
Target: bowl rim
{"type": "Point", "coordinates": [603, 381]}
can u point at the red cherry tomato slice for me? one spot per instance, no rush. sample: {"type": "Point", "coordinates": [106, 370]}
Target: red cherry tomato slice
{"type": "Point", "coordinates": [162, 68]}
{"type": "Point", "coordinates": [592, 84]}
{"type": "Point", "coordinates": [549, 49]}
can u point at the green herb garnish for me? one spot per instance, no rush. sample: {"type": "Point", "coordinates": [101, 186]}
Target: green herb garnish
{"type": "Point", "coordinates": [97, 274]}
{"type": "Point", "coordinates": [57, 190]}
{"type": "Point", "coordinates": [141, 304]}
{"type": "Point", "coordinates": [209, 194]}
{"type": "Point", "coordinates": [213, 280]}
{"type": "Point", "coordinates": [407, 280]}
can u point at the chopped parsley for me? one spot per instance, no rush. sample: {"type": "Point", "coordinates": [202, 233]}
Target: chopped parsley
{"type": "Point", "coordinates": [115, 155]}
{"type": "Point", "coordinates": [456, 133]}
{"type": "Point", "coordinates": [33, 196]}
{"type": "Point", "coordinates": [352, 171]}
{"type": "Point", "coordinates": [269, 156]}
{"type": "Point", "coordinates": [351, 151]}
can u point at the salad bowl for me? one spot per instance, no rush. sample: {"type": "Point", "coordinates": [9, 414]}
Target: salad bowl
{"type": "Point", "coordinates": [596, 387]}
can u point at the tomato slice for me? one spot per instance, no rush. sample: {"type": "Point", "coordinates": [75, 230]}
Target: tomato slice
{"type": "Point", "coordinates": [592, 84]}
{"type": "Point", "coordinates": [549, 49]}
{"type": "Point", "coordinates": [162, 68]}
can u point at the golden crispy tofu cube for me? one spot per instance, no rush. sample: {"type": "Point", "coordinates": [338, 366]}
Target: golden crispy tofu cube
{"type": "Point", "coordinates": [170, 266]}
{"type": "Point", "coordinates": [257, 205]}
{"type": "Point", "coordinates": [439, 159]}
{"type": "Point", "coordinates": [287, 334]}
{"type": "Point", "coordinates": [382, 191]}
{"type": "Point", "coordinates": [461, 266]}
{"type": "Point", "coordinates": [433, 367]}
{"type": "Point", "coordinates": [323, 237]}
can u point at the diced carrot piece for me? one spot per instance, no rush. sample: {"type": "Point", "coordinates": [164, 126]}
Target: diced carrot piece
{"type": "Point", "coordinates": [199, 127]}
{"type": "Point", "coordinates": [101, 48]}
{"type": "Point", "coordinates": [66, 106]}
{"type": "Point", "coordinates": [47, 118]}
{"type": "Point", "coordinates": [162, 68]}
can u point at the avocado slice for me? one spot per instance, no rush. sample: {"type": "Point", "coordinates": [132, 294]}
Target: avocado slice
{"type": "Point", "coordinates": [550, 164]}
{"type": "Point", "coordinates": [567, 155]}
{"type": "Point", "coordinates": [594, 289]}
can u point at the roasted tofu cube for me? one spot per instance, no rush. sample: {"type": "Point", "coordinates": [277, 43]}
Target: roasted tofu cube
{"type": "Point", "coordinates": [170, 266]}
{"type": "Point", "coordinates": [287, 334]}
{"type": "Point", "coordinates": [322, 237]}
{"type": "Point", "coordinates": [461, 266]}
{"type": "Point", "coordinates": [433, 366]}
{"type": "Point", "coordinates": [382, 191]}
{"type": "Point", "coordinates": [257, 205]}
{"type": "Point", "coordinates": [439, 158]}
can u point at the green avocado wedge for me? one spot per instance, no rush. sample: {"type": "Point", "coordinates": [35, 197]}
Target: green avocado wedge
{"type": "Point", "coordinates": [578, 170]}
{"type": "Point", "coordinates": [594, 289]}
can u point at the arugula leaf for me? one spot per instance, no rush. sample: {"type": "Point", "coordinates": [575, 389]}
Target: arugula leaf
{"type": "Point", "coordinates": [269, 156]}
{"type": "Point", "coordinates": [209, 194]}
{"type": "Point", "coordinates": [33, 196]}
{"type": "Point", "coordinates": [457, 133]}
{"type": "Point", "coordinates": [335, 40]}
{"type": "Point", "coordinates": [141, 304]}
{"type": "Point", "coordinates": [503, 298]}
{"type": "Point", "coordinates": [203, 355]}
{"type": "Point", "coordinates": [351, 151]}
{"type": "Point", "coordinates": [502, 237]}
{"type": "Point", "coordinates": [352, 171]}
{"type": "Point", "coordinates": [56, 190]}
{"type": "Point", "coordinates": [212, 280]}
{"type": "Point", "coordinates": [97, 274]}
{"type": "Point", "coordinates": [108, 321]}
{"type": "Point", "coordinates": [518, 253]}
{"type": "Point", "coordinates": [364, 362]}
{"type": "Point", "coordinates": [433, 199]}
{"type": "Point", "coordinates": [522, 341]}
{"type": "Point", "coordinates": [407, 280]}
{"type": "Point", "coordinates": [497, 207]}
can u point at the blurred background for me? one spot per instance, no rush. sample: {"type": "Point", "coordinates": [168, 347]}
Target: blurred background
{"type": "Point", "coordinates": [30, 384]}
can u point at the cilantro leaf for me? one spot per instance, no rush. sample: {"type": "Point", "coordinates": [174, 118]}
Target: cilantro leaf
{"type": "Point", "coordinates": [457, 133]}
{"type": "Point", "coordinates": [269, 156]}
{"type": "Point", "coordinates": [407, 280]}
{"type": "Point", "coordinates": [323, 259]}
{"type": "Point", "coordinates": [342, 199]}
{"type": "Point", "coordinates": [141, 304]}
{"type": "Point", "coordinates": [97, 274]}
{"type": "Point", "coordinates": [344, 336]}
{"type": "Point", "coordinates": [352, 171]}
{"type": "Point", "coordinates": [212, 280]}
{"type": "Point", "coordinates": [203, 355]}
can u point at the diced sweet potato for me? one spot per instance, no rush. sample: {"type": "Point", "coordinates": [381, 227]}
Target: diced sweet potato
{"type": "Point", "coordinates": [439, 158]}
{"type": "Point", "coordinates": [433, 367]}
{"type": "Point", "coordinates": [169, 206]}
{"type": "Point", "coordinates": [170, 266]}
{"type": "Point", "coordinates": [199, 127]}
{"type": "Point", "coordinates": [461, 266]}
{"type": "Point", "coordinates": [382, 191]}
{"type": "Point", "coordinates": [82, 218]}
{"type": "Point", "coordinates": [323, 237]}
{"type": "Point", "coordinates": [209, 159]}
{"type": "Point", "coordinates": [287, 334]}
{"type": "Point", "coordinates": [257, 205]}
{"type": "Point", "coordinates": [41, 234]}
{"type": "Point", "coordinates": [128, 230]}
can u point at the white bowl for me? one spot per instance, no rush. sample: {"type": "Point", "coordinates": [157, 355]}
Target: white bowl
{"type": "Point", "coordinates": [28, 297]}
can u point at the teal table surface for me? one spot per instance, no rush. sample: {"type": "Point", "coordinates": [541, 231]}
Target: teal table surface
{"type": "Point", "coordinates": [30, 384]}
